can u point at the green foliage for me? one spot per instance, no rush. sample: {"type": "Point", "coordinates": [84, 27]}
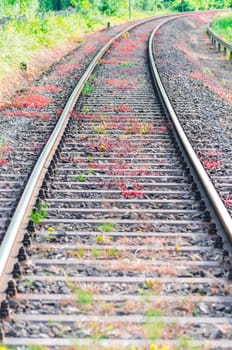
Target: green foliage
{"type": "Point", "coordinates": [39, 212]}
{"type": "Point", "coordinates": [80, 178]}
{"type": "Point", "coordinates": [183, 6]}
{"type": "Point", "coordinates": [84, 297]}
{"type": "Point", "coordinates": [223, 27]}
{"type": "Point", "coordinates": [192, 5]}
{"type": "Point", "coordinates": [87, 89]}
{"type": "Point", "coordinates": [109, 7]}
{"type": "Point", "coordinates": [106, 227]}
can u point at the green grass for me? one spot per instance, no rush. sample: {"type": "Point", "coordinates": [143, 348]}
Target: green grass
{"type": "Point", "coordinates": [222, 26]}
{"type": "Point", "coordinates": [36, 43]}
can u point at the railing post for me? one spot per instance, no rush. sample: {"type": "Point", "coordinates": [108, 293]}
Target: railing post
{"type": "Point", "coordinates": [224, 51]}
{"type": "Point", "coordinates": [219, 47]}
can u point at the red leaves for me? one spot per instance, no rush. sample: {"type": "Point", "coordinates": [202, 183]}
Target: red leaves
{"type": "Point", "coordinates": [3, 161]}
{"type": "Point", "coordinates": [122, 108]}
{"type": "Point", "coordinates": [211, 164]}
{"type": "Point", "coordinates": [4, 149]}
{"type": "Point", "coordinates": [120, 84]}
{"type": "Point", "coordinates": [27, 114]}
{"type": "Point", "coordinates": [227, 200]}
{"type": "Point", "coordinates": [131, 191]}
{"type": "Point", "coordinates": [31, 101]}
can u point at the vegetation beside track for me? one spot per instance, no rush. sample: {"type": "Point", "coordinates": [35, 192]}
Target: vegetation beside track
{"type": "Point", "coordinates": [29, 46]}
{"type": "Point", "coordinates": [223, 27]}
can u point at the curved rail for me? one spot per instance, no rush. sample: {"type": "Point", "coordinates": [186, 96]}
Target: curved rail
{"type": "Point", "coordinates": [31, 190]}
{"type": "Point", "coordinates": [222, 214]}
{"type": "Point", "coordinates": [216, 39]}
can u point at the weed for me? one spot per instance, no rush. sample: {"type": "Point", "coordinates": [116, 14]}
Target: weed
{"type": "Point", "coordinates": [87, 89]}
{"type": "Point", "coordinates": [106, 227]}
{"type": "Point", "coordinates": [90, 171]}
{"type": "Point", "coordinates": [79, 253]}
{"type": "Point", "coordinates": [39, 212]}
{"type": "Point", "coordinates": [196, 312]}
{"type": "Point", "coordinates": [28, 114]}
{"type": "Point", "coordinates": [100, 129]}
{"type": "Point", "coordinates": [96, 252]}
{"type": "Point", "coordinates": [222, 26]}
{"type": "Point", "coordinates": [31, 101]}
{"type": "Point", "coordinates": [85, 110]}
{"type": "Point", "coordinates": [211, 164]}
{"type": "Point", "coordinates": [153, 330]}
{"type": "Point", "coordinates": [207, 70]}
{"type": "Point", "coordinates": [113, 252]}
{"type": "Point", "coordinates": [154, 313]}
{"type": "Point", "coordinates": [148, 284]}
{"type": "Point", "coordinates": [185, 344]}
{"type": "Point", "coordinates": [36, 347]}
{"type": "Point", "coordinates": [92, 76]}
{"type": "Point", "coordinates": [79, 177]}
{"type": "Point", "coordinates": [28, 283]}
{"type": "Point", "coordinates": [4, 145]}
{"type": "Point", "coordinates": [227, 200]}
{"type": "Point", "coordinates": [99, 239]}
{"type": "Point", "coordinates": [126, 64]}
{"type": "Point", "coordinates": [84, 297]}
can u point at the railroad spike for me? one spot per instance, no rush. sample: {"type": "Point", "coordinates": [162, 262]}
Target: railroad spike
{"type": "Point", "coordinates": [202, 205]}
{"type": "Point", "coordinates": [11, 289]}
{"type": "Point", "coordinates": [17, 272]}
{"type": "Point", "coordinates": [207, 216]}
{"type": "Point", "coordinates": [4, 310]}
{"type": "Point", "coordinates": [22, 254]}
{"type": "Point", "coordinates": [26, 240]}
{"type": "Point", "coordinates": [198, 195]}
{"type": "Point", "coordinates": [212, 229]}
{"type": "Point", "coordinates": [2, 335]}
{"type": "Point", "coordinates": [230, 273]}
{"type": "Point", "coordinates": [31, 227]}
{"type": "Point", "coordinates": [218, 243]}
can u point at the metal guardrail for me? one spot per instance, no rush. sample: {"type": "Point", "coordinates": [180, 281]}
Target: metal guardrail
{"type": "Point", "coordinates": [218, 43]}
{"type": "Point", "coordinates": [6, 19]}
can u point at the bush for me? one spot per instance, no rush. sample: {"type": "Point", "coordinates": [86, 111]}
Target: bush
{"type": "Point", "coordinates": [186, 6]}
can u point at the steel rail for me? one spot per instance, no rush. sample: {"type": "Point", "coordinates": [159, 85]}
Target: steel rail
{"type": "Point", "coordinates": [218, 206]}
{"type": "Point", "coordinates": [30, 193]}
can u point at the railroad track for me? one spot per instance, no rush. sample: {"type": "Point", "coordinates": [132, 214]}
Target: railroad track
{"type": "Point", "coordinates": [124, 249]}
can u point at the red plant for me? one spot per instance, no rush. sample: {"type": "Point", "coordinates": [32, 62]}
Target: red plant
{"type": "Point", "coordinates": [227, 200]}
{"type": "Point", "coordinates": [3, 161]}
{"type": "Point", "coordinates": [162, 129]}
{"type": "Point", "coordinates": [27, 114]}
{"type": "Point", "coordinates": [131, 191]}
{"type": "Point", "coordinates": [211, 164]}
{"type": "Point", "coordinates": [122, 108]}
{"type": "Point", "coordinates": [88, 48]}
{"type": "Point", "coordinates": [31, 101]}
{"type": "Point", "coordinates": [127, 47]}
{"type": "Point", "coordinates": [45, 88]}
{"type": "Point", "coordinates": [197, 75]}
{"type": "Point", "coordinates": [110, 61]}
{"type": "Point", "coordinates": [67, 66]}
{"type": "Point", "coordinates": [209, 152]}
{"type": "Point", "coordinates": [4, 149]}
{"type": "Point", "coordinates": [121, 84]}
